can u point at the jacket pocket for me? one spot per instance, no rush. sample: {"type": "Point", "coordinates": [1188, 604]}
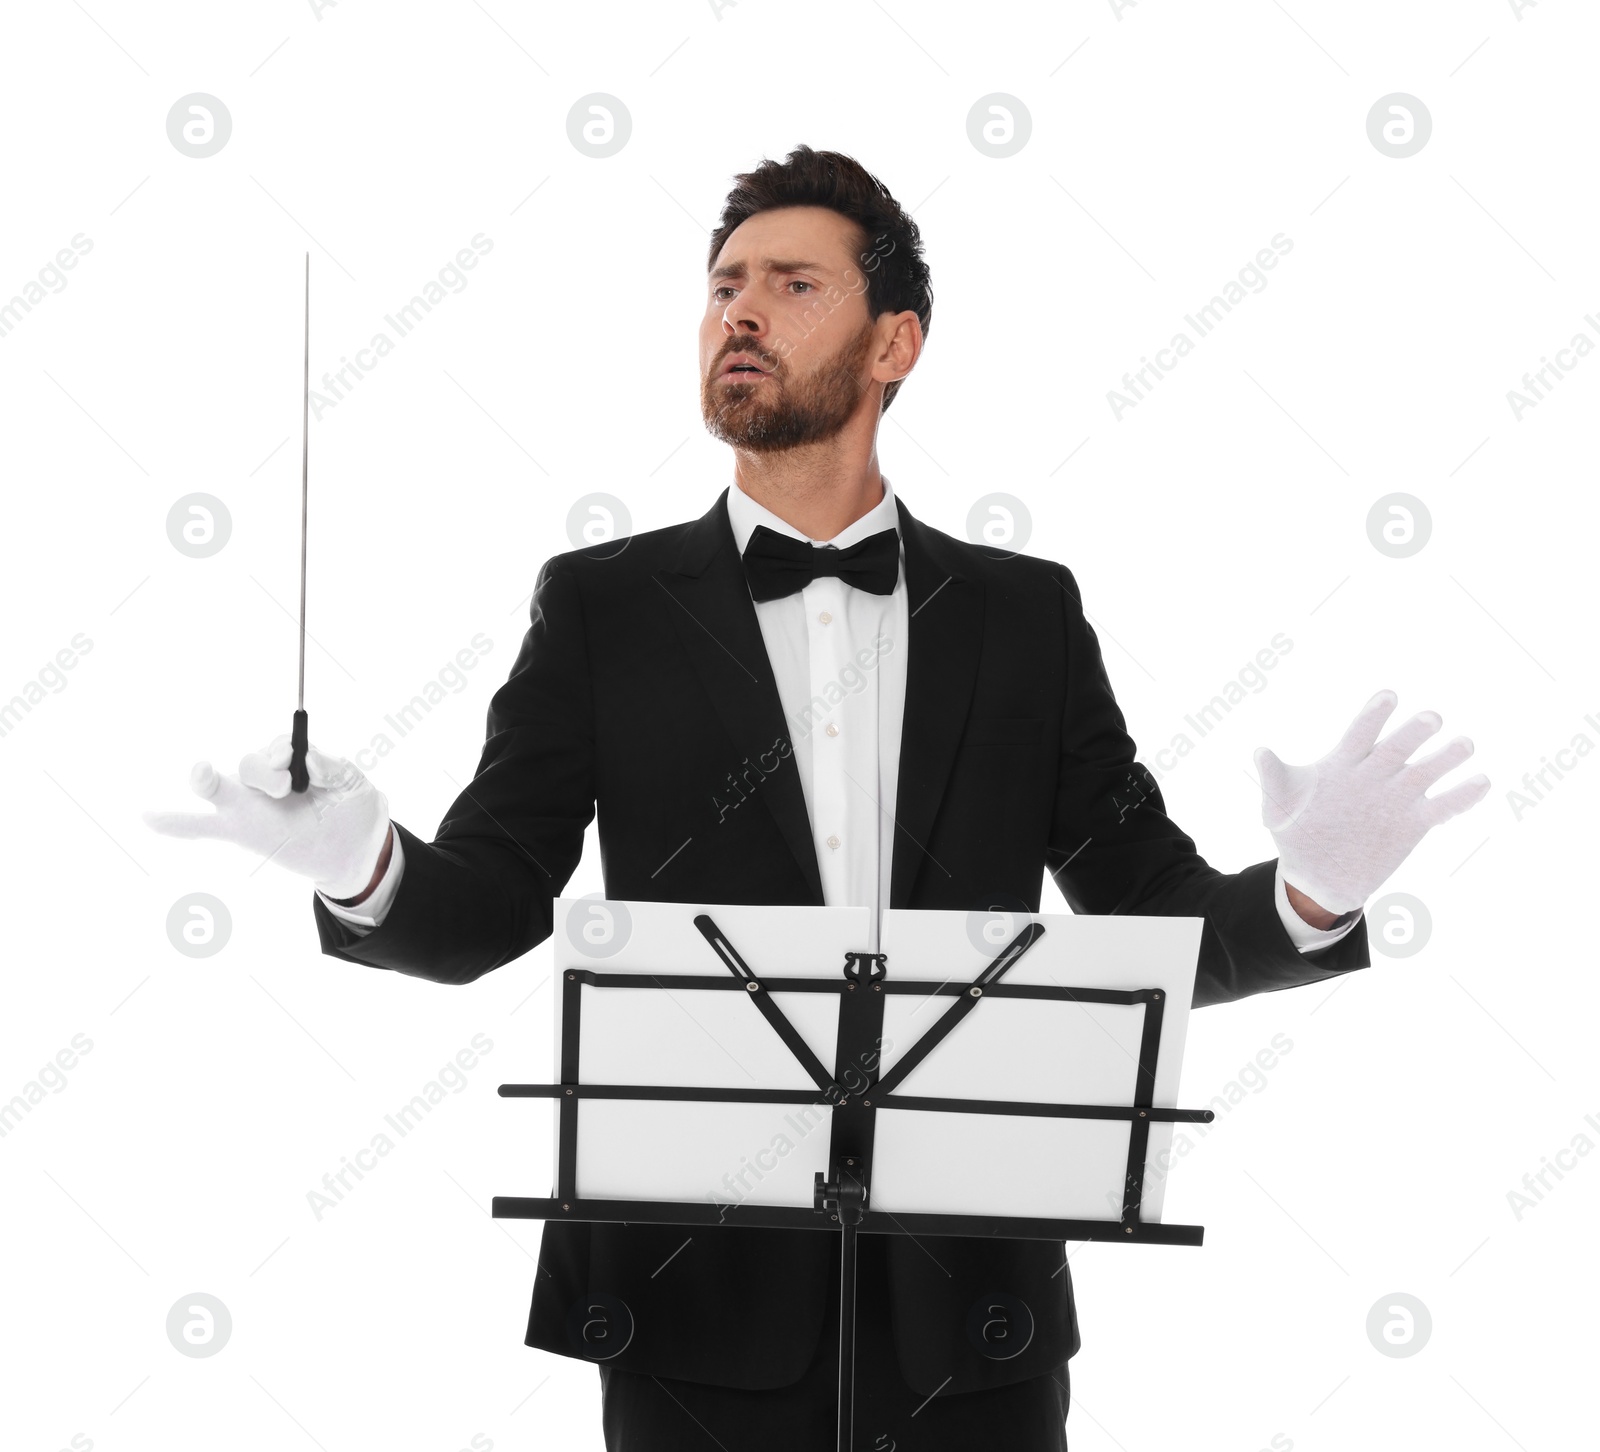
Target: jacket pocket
{"type": "Point", "coordinates": [1001, 731]}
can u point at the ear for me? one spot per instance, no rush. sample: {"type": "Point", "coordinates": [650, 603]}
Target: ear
{"type": "Point", "coordinates": [901, 347]}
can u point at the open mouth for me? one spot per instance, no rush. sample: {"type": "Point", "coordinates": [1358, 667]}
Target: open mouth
{"type": "Point", "coordinates": [742, 368]}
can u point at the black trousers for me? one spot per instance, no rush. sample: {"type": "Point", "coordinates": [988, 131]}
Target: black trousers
{"type": "Point", "coordinates": [658, 1414]}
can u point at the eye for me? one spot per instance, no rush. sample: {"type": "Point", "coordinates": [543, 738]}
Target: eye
{"type": "Point", "coordinates": [717, 292]}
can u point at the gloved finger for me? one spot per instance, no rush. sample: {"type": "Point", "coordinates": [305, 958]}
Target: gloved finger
{"type": "Point", "coordinates": [1428, 769]}
{"type": "Point", "coordinates": [277, 752]}
{"type": "Point", "coordinates": [331, 772]}
{"type": "Point", "coordinates": [221, 791]}
{"type": "Point", "coordinates": [1276, 788]}
{"type": "Point", "coordinates": [1398, 745]}
{"type": "Point", "coordinates": [1360, 735]}
{"type": "Point", "coordinates": [257, 769]}
{"type": "Point", "coordinates": [184, 824]}
{"type": "Point", "coordinates": [1457, 799]}
{"type": "Point", "coordinates": [204, 779]}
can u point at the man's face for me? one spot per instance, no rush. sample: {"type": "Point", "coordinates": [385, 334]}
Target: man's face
{"type": "Point", "coordinates": [787, 296]}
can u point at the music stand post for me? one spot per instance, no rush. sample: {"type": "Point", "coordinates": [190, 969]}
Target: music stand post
{"type": "Point", "coordinates": [842, 1200]}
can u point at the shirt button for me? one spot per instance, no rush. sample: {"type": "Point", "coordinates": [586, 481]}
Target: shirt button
{"type": "Point", "coordinates": [826, 618]}
{"type": "Point", "coordinates": [833, 841]}
{"type": "Point", "coordinates": [832, 729]}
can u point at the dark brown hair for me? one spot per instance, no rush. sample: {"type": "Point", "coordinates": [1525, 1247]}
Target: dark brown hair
{"type": "Point", "coordinates": [888, 243]}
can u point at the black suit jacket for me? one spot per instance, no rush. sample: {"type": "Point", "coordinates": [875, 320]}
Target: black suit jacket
{"type": "Point", "coordinates": [642, 689]}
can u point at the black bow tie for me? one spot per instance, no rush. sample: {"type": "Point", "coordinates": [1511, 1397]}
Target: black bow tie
{"type": "Point", "coordinates": [777, 564]}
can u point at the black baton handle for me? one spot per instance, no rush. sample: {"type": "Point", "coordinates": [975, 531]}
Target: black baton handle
{"type": "Point", "coordinates": [299, 780]}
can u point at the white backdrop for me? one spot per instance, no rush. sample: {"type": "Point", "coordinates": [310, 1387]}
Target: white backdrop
{"type": "Point", "coordinates": [188, 1109]}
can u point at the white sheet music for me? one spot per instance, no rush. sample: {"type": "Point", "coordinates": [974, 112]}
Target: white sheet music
{"type": "Point", "coordinates": [1032, 1050]}
{"type": "Point", "coordinates": [1029, 1049]}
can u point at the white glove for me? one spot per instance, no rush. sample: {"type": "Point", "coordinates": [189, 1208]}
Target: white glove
{"type": "Point", "coordinates": [1344, 823]}
{"type": "Point", "coordinates": [333, 832]}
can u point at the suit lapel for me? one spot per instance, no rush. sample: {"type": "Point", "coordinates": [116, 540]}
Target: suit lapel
{"type": "Point", "coordinates": [716, 621]}
{"type": "Point", "coordinates": [946, 626]}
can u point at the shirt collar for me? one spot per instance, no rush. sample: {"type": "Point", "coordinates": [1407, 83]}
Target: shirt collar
{"type": "Point", "coordinates": [744, 514]}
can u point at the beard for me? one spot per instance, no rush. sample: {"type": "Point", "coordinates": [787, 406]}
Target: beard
{"type": "Point", "coordinates": [787, 410]}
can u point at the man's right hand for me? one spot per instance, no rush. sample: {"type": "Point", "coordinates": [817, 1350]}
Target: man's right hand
{"type": "Point", "coordinates": [336, 832]}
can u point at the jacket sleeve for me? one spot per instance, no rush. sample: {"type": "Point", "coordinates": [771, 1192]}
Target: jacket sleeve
{"type": "Point", "coordinates": [480, 894]}
{"type": "Point", "coordinates": [1113, 849]}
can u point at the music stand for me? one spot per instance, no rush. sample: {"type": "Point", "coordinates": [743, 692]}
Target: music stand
{"type": "Point", "coordinates": [1128, 990]}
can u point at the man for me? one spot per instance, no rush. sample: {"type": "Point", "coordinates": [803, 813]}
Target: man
{"type": "Point", "coordinates": [808, 696]}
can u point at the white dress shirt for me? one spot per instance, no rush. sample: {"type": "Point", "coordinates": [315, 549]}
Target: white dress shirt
{"type": "Point", "coordinates": [838, 657]}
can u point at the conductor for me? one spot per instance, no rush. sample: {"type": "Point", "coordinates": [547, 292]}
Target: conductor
{"type": "Point", "coordinates": [809, 696]}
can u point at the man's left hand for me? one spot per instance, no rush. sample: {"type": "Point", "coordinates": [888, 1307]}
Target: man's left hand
{"type": "Point", "coordinates": [1344, 823]}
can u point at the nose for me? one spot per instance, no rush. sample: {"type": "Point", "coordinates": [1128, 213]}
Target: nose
{"type": "Point", "coordinates": [741, 317]}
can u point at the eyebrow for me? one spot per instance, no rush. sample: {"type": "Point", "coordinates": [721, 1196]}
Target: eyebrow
{"type": "Point", "coordinates": [768, 264]}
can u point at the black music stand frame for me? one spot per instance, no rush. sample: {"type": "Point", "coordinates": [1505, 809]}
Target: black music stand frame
{"type": "Point", "coordinates": [842, 1201]}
